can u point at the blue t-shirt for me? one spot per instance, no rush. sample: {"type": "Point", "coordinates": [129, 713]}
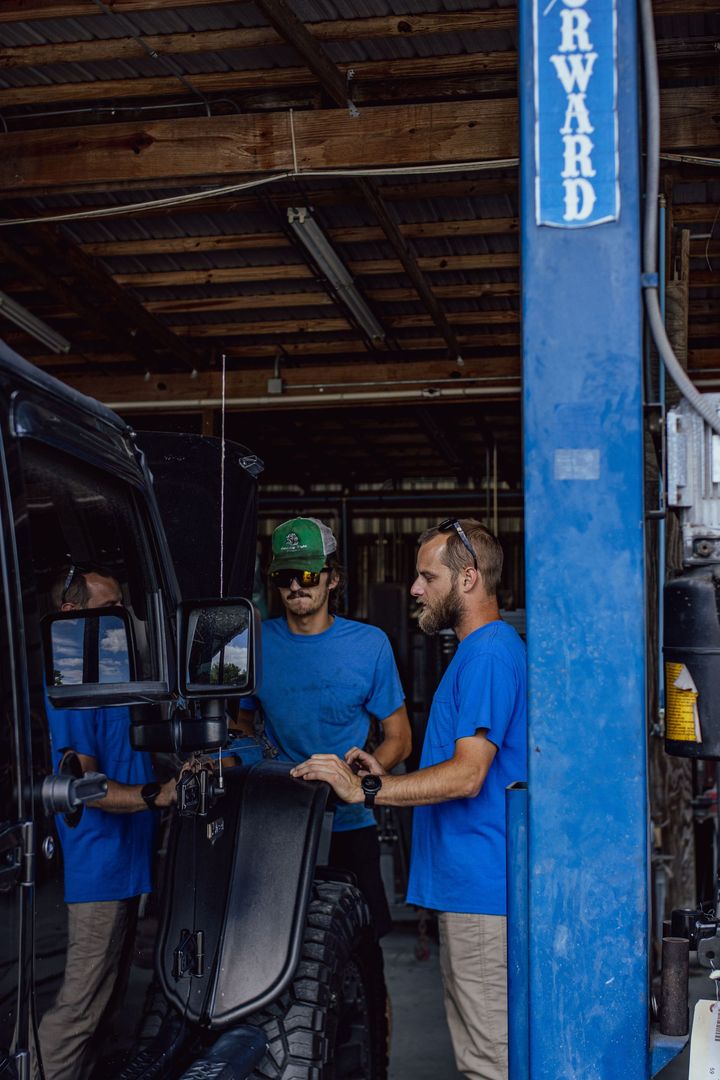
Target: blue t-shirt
{"type": "Point", "coordinates": [458, 847]}
{"type": "Point", "coordinates": [320, 691]}
{"type": "Point", "coordinates": [107, 856]}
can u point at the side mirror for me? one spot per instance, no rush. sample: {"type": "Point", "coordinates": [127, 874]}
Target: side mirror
{"type": "Point", "coordinates": [90, 660]}
{"type": "Point", "coordinates": [219, 648]}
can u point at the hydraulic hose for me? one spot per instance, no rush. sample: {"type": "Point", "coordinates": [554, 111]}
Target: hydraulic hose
{"type": "Point", "coordinates": [650, 241]}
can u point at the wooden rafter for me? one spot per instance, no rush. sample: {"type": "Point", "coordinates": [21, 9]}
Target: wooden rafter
{"type": "Point", "coordinates": [18, 10]}
{"type": "Point", "coordinates": [228, 82]}
{"type": "Point", "coordinates": [110, 311]}
{"type": "Point", "coordinates": [335, 83]}
{"type": "Point", "coordinates": [363, 234]}
{"type": "Point", "coordinates": [256, 37]}
{"type": "Point", "coordinates": [296, 271]}
{"type": "Point", "coordinates": [176, 388]}
{"type": "Point", "coordinates": [400, 135]}
{"type": "Point", "coordinates": [247, 144]}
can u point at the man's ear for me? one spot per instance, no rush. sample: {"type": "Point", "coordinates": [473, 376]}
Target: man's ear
{"type": "Point", "coordinates": [471, 576]}
{"type": "Point", "coordinates": [67, 606]}
{"type": "Point", "coordinates": [334, 580]}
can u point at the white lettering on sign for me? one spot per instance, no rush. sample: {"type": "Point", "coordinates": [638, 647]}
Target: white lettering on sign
{"type": "Point", "coordinates": [574, 63]}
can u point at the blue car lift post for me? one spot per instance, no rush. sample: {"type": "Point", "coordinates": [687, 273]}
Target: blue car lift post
{"type": "Point", "coordinates": [578, 851]}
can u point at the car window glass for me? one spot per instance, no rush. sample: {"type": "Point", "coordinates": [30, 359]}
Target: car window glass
{"type": "Point", "coordinates": [82, 518]}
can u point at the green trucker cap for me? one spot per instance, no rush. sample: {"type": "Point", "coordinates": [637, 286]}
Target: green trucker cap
{"type": "Point", "coordinates": [301, 544]}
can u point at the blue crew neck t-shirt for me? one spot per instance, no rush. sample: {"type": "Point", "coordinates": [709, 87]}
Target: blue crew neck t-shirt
{"type": "Point", "coordinates": [107, 856]}
{"type": "Point", "coordinates": [320, 691]}
{"type": "Point", "coordinates": [458, 847]}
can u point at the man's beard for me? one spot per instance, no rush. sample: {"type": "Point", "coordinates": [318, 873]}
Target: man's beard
{"type": "Point", "coordinates": [445, 615]}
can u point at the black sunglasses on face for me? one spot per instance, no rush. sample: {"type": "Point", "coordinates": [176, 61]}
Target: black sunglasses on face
{"type": "Point", "coordinates": [453, 523]}
{"type": "Point", "coordinates": [305, 578]}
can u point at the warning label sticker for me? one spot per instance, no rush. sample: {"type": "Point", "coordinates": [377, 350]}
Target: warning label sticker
{"type": "Point", "coordinates": [682, 721]}
{"type": "Point", "coordinates": [705, 1042]}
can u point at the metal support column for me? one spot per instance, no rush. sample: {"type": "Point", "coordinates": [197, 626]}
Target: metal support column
{"type": "Point", "coordinates": [587, 810]}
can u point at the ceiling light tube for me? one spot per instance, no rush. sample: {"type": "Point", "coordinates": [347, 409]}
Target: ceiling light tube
{"type": "Point", "coordinates": [330, 266]}
{"type": "Point", "coordinates": [30, 323]}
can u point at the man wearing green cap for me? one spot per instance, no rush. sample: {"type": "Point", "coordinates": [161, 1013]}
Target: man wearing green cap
{"type": "Point", "coordinates": [326, 678]}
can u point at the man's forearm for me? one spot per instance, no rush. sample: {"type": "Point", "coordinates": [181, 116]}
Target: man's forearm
{"type": "Point", "coordinates": [391, 751]}
{"type": "Point", "coordinates": [121, 799]}
{"type": "Point", "coordinates": [437, 783]}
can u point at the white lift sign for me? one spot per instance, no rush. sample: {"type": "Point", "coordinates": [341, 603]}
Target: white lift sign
{"type": "Point", "coordinates": [576, 136]}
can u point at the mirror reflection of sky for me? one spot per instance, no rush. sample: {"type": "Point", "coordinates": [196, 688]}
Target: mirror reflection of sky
{"type": "Point", "coordinates": [67, 646]}
{"type": "Point", "coordinates": [235, 653]}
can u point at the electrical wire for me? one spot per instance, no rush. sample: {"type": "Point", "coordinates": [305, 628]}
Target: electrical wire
{"type": "Point", "coordinates": [165, 61]}
{"type": "Point", "coordinates": [650, 238]}
{"type": "Point", "coordinates": [233, 189]}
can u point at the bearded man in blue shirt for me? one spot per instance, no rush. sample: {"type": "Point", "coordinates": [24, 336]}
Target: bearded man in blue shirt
{"type": "Point", "coordinates": [475, 746]}
{"type": "Point", "coordinates": [325, 680]}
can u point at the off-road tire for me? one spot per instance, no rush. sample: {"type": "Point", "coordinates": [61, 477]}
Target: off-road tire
{"type": "Point", "coordinates": [331, 1023]}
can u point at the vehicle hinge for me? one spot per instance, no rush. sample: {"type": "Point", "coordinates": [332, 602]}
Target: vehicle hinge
{"type": "Point", "coordinates": [189, 956]}
{"type": "Point", "coordinates": [17, 854]}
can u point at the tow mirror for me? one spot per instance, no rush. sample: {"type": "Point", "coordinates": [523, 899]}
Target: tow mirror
{"type": "Point", "coordinates": [90, 659]}
{"type": "Point", "coordinates": [219, 653]}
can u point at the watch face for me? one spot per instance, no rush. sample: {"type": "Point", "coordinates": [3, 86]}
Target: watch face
{"type": "Point", "coordinates": [371, 784]}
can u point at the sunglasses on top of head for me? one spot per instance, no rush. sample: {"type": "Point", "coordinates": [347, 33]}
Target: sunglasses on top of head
{"type": "Point", "coordinates": [305, 578]}
{"type": "Point", "coordinates": [76, 570]}
{"type": "Point", "coordinates": [453, 523]}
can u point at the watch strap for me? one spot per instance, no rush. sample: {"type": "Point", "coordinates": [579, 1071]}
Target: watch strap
{"type": "Point", "coordinates": [371, 790]}
{"type": "Point", "coordinates": [150, 793]}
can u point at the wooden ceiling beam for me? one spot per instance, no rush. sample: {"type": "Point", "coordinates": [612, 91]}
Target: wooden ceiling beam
{"type": "Point", "coordinates": [394, 75]}
{"type": "Point", "coordinates": [411, 266]}
{"type": "Point", "coordinates": [395, 135]}
{"type": "Point", "coordinates": [260, 144]}
{"type": "Point", "coordinates": [228, 82]}
{"type": "Point", "coordinates": [317, 299]}
{"type": "Point", "coordinates": [497, 184]}
{"type": "Point", "coordinates": [118, 323]}
{"type": "Point", "coordinates": [296, 271]}
{"type": "Point", "coordinates": [255, 37]}
{"type": "Point", "coordinates": [178, 387]}
{"type": "Point", "coordinates": [332, 324]}
{"type": "Point", "coordinates": [685, 214]}
{"type": "Point", "coordinates": [22, 10]}
{"type": "Point", "coordinates": [348, 235]}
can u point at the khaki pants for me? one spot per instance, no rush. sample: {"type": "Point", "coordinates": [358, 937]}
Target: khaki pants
{"type": "Point", "coordinates": [473, 961]}
{"type": "Point", "coordinates": [98, 942]}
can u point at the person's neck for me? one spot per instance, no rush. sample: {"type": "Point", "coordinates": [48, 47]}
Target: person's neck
{"type": "Point", "coordinates": [316, 623]}
{"type": "Point", "coordinates": [480, 614]}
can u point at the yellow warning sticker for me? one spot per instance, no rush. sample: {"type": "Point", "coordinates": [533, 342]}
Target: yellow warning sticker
{"type": "Point", "coordinates": [682, 722]}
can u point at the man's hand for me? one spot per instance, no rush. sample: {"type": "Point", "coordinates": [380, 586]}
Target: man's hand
{"type": "Point", "coordinates": [334, 772]}
{"type": "Point", "coordinates": [363, 763]}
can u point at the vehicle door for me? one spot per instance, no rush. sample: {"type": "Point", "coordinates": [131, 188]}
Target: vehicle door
{"type": "Point", "coordinates": [16, 840]}
{"type": "Point", "coordinates": [80, 505]}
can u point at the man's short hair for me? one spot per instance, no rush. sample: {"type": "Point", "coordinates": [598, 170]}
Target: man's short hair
{"type": "Point", "coordinates": [485, 544]}
{"type": "Point", "coordinates": [76, 590]}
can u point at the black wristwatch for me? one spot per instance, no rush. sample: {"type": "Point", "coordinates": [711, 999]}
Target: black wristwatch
{"type": "Point", "coordinates": [371, 785]}
{"type": "Point", "coordinates": [150, 793]}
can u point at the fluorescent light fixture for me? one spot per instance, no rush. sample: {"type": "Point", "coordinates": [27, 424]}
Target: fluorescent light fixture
{"type": "Point", "coordinates": [30, 323]}
{"type": "Point", "coordinates": [316, 244]}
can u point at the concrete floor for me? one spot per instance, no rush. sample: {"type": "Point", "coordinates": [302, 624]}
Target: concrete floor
{"type": "Point", "coordinates": [420, 1048]}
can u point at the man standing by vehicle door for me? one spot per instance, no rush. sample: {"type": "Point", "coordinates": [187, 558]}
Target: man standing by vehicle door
{"type": "Point", "coordinates": [107, 857]}
{"type": "Point", "coordinates": [475, 746]}
{"type": "Point", "coordinates": [325, 679]}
